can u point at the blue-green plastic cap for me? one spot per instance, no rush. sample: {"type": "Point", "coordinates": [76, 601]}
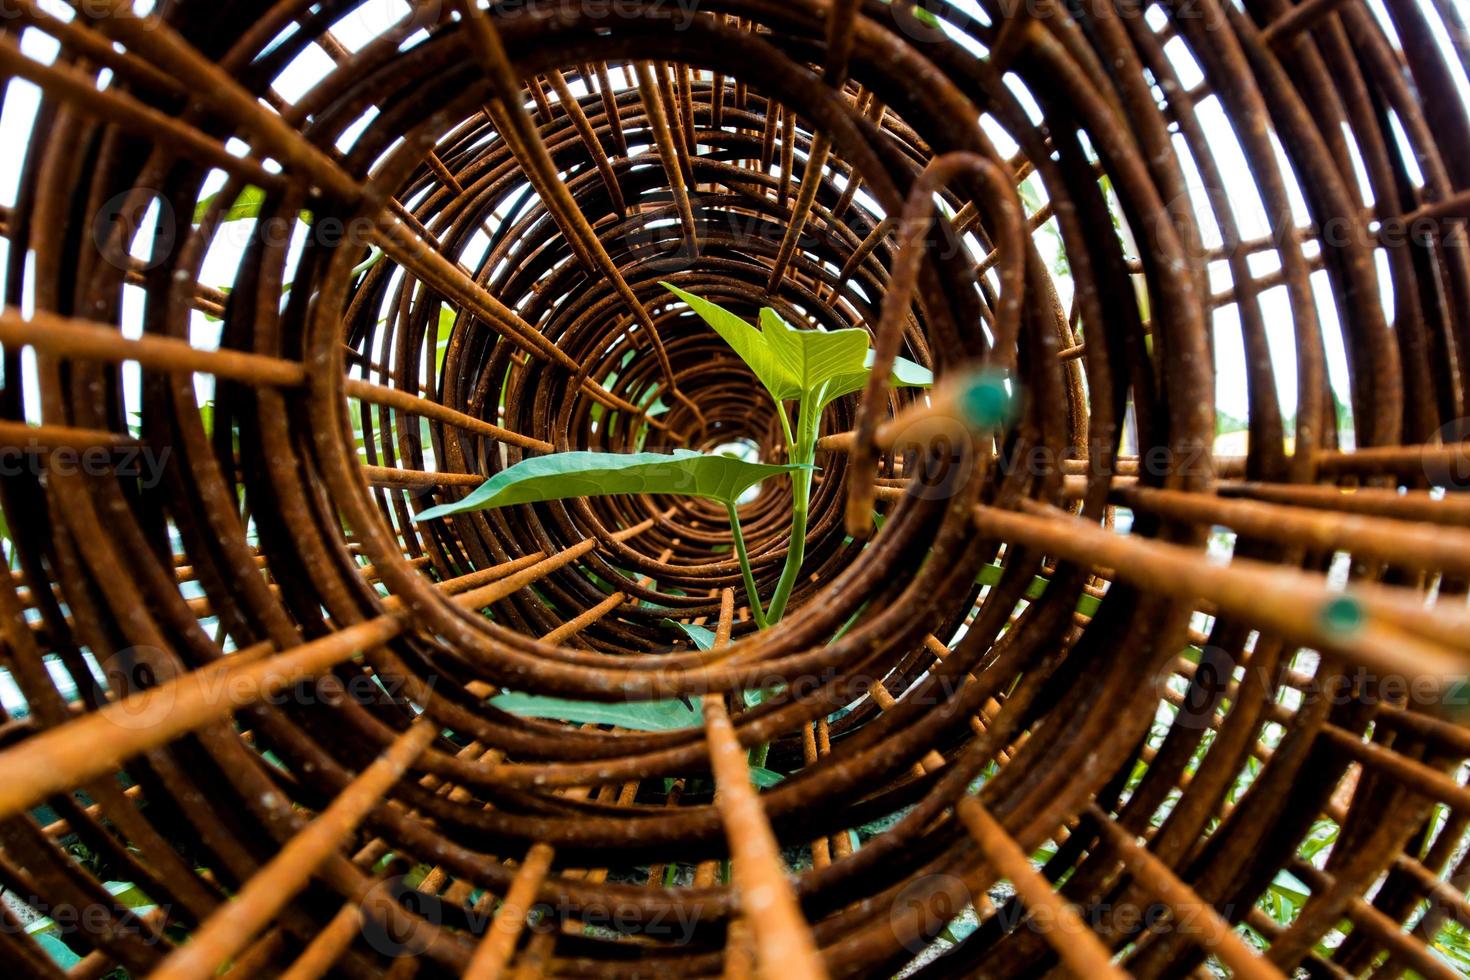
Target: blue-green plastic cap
{"type": "Point", "coordinates": [984, 401]}
{"type": "Point", "coordinates": [1341, 614]}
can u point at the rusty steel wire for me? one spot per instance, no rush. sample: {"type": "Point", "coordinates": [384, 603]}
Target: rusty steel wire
{"type": "Point", "coordinates": [1092, 693]}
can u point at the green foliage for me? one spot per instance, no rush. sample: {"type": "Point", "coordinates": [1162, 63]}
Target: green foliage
{"type": "Point", "coordinates": [925, 17]}
{"type": "Point", "coordinates": [640, 716]}
{"type": "Point", "coordinates": [246, 207]}
{"type": "Point", "coordinates": [906, 373]}
{"type": "Point", "coordinates": [763, 777]}
{"type": "Point", "coordinates": [587, 474]}
{"type": "Point", "coordinates": [59, 952]}
{"type": "Point", "coordinates": [991, 574]}
{"type": "Point", "coordinates": [7, 543]}
{"type": "Point", "coordinates": [815, 365]}
{"type": "Point", "coordinates": [1453, 944]}
{"type": "Point", "coordinates": [45, 931]}
{"type": "Point", "coordinates": [748, 342]}
{"type": "Point", "coordinates": [1284, 898]}
{"type": "Point", "coordinates": [704, 639]}
{"type": "Point", "coordinates": [823, 364]}
{"type": "Point", "coordinates": [210, 317]}
{"type": "Point", "coordinates": [1227, 423]}
{"type": "Point", "coordinates": [447, 317]}
{"type": "Point", "coordinates": [812, 367]}
{"type": "Point", "coordinates": [703, 636]}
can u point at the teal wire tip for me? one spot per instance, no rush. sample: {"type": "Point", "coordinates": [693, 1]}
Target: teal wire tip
{"type": "Point", "coordinates": [985, 402]}
{"type": "Point", "coordinates": [1342, 614]}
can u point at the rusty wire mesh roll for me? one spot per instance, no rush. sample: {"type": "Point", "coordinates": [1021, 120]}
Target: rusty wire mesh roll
{"type": "Point", "coordinates": [1098, 695]}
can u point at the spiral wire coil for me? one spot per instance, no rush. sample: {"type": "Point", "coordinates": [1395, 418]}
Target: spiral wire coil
{"type": "Point", "coordinates": [1098, 692]}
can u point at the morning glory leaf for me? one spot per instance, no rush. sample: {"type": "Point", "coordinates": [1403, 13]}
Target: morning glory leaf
{"type": "Point", "coordinates": [816, 358]}
{"type": "Point", "coordinates": [906, 373]}
{"type": "Point", "coordinates": [702, 636]}
{"type": "Point", "coordinates": [792, 363]}
{"type": "Point", "coordinates": [587, 474]}
{"type": "Point", "coordinates": [638, 716]}
{"type": "Point", "coordinates": [753, 347]}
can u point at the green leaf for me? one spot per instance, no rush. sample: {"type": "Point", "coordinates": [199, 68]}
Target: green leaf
{"type": "Point", "coordinates": [703, 636]}
{"type": "Point", "coordinates": [128, 895]}
{"type": "Point", "coordinates": [587, 474]}
{"type": "Point", "coordinates": [59, 952]}
{"type": "Point", "coordinates": [751, 344]}
{"type": "Point", "coordinates": [906, 373]}
{"type": "Point", "coordinates": [447, 316]}
{"type": "Point", "coordinates": [764, 778]}
{"type": "Point", "coordinates": [246, 206]}
{"type": "Point", "coordinates": [990, 574]}
{"type": "Point", "coordinates": [124, 893]}
{"type": "Point", "coordinates": [1290, 884]}
{"type": "Point", "coordinates": [792, 363]}
{"type": "Point", "coordinates": [641, 716]}
{"type": "Point", "coordinates": [826, 363]}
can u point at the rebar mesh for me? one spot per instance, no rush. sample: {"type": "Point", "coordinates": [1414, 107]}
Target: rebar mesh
{"type": "Point", "coordinates": [1119, 687]}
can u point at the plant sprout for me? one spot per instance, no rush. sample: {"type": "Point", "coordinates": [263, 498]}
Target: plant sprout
{"type": "Point", "coordinates": [812, 368]}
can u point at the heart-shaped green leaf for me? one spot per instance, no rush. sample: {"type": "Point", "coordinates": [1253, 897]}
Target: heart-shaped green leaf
{"type": "Point", "coordinates": [819, 365]}
{"type": "Point", "coordinates": [823, 361]}
{"type": "Point", "coordinates": [585, 474]}
{"type": "Point", "coordinates": [753, 347]}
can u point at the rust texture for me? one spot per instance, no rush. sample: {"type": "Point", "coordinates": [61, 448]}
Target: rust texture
{"type": "Point", "coordinates": [1090, 695]}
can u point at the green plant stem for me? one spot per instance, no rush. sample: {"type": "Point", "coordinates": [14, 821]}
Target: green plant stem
{"type": "Point", "coordinates": [802, 450]}
{"type": "Point", "coordinates": [750, 590]}
{"type": "Point", "coordinates": [804, 453]}
{"type": "Point", "coordinates": [373, 256]}
{"type": "Point", "coordinates": [801, 488]}
{"type": "Point", "coordinates": [759, 754]}
{"type": "Point", "coordinates": [786, 427]}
